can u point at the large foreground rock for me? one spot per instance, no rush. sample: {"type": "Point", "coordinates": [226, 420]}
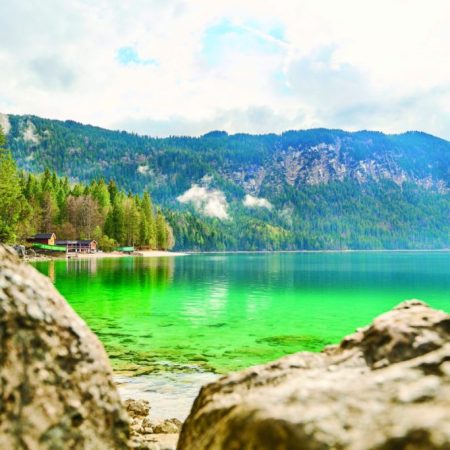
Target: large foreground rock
{"type": "Point", "coordinates": [385, 387]}
{"type": "Point", "coordinates": [56, 388]}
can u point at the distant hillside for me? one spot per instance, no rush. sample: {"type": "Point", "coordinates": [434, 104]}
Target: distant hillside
{"type": "Point", "coordinates": [302, 189]}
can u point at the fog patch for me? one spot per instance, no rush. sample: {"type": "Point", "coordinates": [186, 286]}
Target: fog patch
{"type": "Point", "coordinates": [30, 134]}
{"type": "Point", "coordinates": [144, 170]}
{"type": "Point", "coordinates": [209, 202]}
{"type": "Point", "coordinates": [254, 202]}
{"type": "Point", "coordinates": [4, 123]}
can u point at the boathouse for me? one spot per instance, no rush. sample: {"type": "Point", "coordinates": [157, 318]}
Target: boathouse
{"type": "Point", "coordinates": [80, 246]}
{"type": "Point", "coordinates": [43, 238]}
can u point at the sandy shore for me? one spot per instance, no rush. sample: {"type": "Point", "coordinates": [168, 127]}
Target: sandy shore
{"type": "Point", "coordinates": [138, 254]}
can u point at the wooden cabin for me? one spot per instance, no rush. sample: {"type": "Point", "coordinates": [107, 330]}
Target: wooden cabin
{"type": "Point", "coordinates": [43, 238]}
{"type": "Point", "coordinates": [79, 246]}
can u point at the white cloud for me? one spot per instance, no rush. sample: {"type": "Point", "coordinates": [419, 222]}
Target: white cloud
{"type": "Point", "coordinates": [303, 62]}
{"type": "Point", "coordinates": [254, 202]}
{"type": "Point", "coordinates": [210, 202]}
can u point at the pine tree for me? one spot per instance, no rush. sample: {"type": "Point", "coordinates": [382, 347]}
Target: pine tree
{"type": "Point", "coordinates": [131, 221]}
{"type": "Point", "coordinates": [147, 231]}
{"type": "Point", "coordinates": [161, 232]}
{"type": "Point", "coordinates": [113, 191]}
{"type": "Point", "coordinates": [116, 223]}
{"type": "Point", "coordinates": [101, 193]}
{"type": "Point", "coordinates": [11, 199]}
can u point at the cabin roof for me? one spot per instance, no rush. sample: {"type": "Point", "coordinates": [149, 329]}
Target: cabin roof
{"type": "Point", "coordinates": [43, 236]}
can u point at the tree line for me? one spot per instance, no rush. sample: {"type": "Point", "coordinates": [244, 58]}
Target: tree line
{"type": "Point", "coordinates": [45, 202]}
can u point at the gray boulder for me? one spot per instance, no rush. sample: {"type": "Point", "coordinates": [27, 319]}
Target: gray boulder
{"type": "Point", "coordinates": [56, 387]}
{"type": "Point", "coordinates": [385, 387]}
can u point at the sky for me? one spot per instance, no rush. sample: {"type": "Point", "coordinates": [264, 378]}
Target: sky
{"type": "Point", "coordinates": [185, 67]}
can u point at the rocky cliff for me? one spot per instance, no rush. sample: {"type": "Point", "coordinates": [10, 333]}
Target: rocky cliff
{"type": "Point", "coordinates": [385, 387]}
{"type": "Point", "coordinates": [56, 387]}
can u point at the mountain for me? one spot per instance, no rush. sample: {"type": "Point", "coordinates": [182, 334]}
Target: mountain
{"type": "Point", "coordinates": [309, 189]}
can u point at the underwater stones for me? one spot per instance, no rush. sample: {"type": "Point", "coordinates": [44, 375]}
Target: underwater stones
{"type": "Point", "coordinates": [56, 387]}
{"type": "Point", "coordinates": [387, 386]}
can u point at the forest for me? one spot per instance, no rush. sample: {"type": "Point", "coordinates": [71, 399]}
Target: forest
{"type": "Point", "coordinates": [337, 216]}
{"type": "Point", "coordinates": [326, 189]}
{"type": "Point", "coordinates": [31, 203]}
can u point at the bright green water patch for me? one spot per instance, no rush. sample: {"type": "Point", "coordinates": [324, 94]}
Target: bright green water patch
{"type": "Point", "coordinates": [226, 312]}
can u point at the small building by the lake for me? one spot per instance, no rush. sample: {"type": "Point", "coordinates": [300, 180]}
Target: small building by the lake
{"type": "Point", "coordinates": [79, 246]}
{"type": "Point", "coordinates": [43, 238]}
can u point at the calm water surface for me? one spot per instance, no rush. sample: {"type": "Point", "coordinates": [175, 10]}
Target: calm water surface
{"type": "Point", "coordinates": [222, 312]}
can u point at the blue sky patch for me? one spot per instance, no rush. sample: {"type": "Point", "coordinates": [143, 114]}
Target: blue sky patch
{"type": "Point", "coordinates": [227, 36]}
{"type": "Point", "coordinates": [128, 55]}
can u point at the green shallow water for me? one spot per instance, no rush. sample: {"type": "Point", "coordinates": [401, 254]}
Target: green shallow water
{"type": "Point", "coordinates": [223, 312]}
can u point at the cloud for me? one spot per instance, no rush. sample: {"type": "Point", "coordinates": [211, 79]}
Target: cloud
{"type": "Point", "coordinates": [210, 202]}
{"type": "Point", "coordinates": [184, 67]}
{"type": "Point", "coordinates": [254, 202]}
{"type": "Point", "coordinates": [249, 120]}
{"type": "Point", "coordinates": [52, 72]}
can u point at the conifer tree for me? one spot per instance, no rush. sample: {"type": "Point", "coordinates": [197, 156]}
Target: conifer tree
{"type": "Point", "coordinates": [10, 193]}
{"type": "Point", "coordinates": [161, 231]}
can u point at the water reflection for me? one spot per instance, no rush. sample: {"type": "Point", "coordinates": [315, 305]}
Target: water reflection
{"type": "Point", "coordinates": [225, 312]}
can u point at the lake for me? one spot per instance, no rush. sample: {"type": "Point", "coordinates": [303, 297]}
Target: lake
{"type": "Point", "coordinates": [189, 317]}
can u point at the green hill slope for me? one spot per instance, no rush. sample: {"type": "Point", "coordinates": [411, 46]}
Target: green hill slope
{"type": "Point", "coordinates": [311, 189]}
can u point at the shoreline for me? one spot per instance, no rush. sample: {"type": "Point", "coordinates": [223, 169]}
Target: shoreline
{"type": "Point", "coordinates": [399, 250]}
{"type": "Point", "coordinates": [104, 255]}
{"type": "Point", "coordinates": [165, 253]}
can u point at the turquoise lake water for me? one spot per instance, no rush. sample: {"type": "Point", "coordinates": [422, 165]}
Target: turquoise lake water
{"type": "Point", "coordinates": [222, 312]}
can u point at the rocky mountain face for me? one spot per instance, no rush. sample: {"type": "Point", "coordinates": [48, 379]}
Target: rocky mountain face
{"type": "Point", "coordinates": [251, 162]}
{"type": "Point", "coordinates": [385, 387]}
{"type": "Point", "coordinates": [325, 163]}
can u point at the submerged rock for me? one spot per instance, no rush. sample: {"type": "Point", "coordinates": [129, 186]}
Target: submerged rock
{"type": "Point", "coordinates": [56, 387]}
{"type": "Point", "coordinates": [385, 387]}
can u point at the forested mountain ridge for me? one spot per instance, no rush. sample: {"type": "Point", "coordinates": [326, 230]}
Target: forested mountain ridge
{"type": "Point", "coordinates": [302, 189]}
{"type": "Point", "coordinates": [252, 162]}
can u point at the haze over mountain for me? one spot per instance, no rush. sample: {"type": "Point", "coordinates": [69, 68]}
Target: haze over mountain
{"type": "Point", "coordinates": [315, 188]}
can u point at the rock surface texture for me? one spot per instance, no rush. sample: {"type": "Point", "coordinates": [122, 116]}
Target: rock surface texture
{"type": "Point", "coordinates": [148, 434]}
{"type": "Point", "coordinates": [56, 387]}
{"type": "Point", "coordinates": [385, 387]}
